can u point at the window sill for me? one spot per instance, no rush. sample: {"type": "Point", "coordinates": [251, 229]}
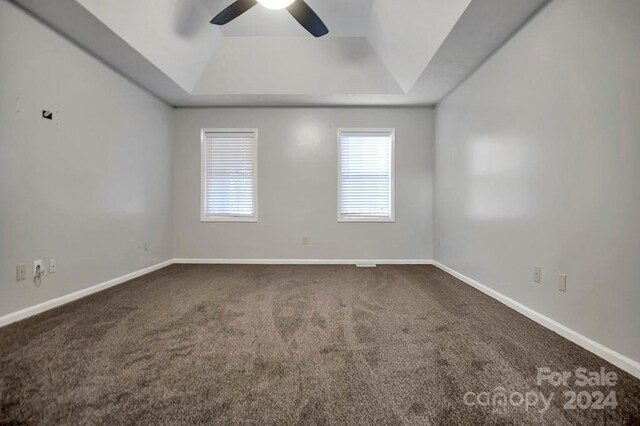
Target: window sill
{"type": "Point", "coordinates": [205, 219]}
{"type": "Point", "coordinates": [366, 219]}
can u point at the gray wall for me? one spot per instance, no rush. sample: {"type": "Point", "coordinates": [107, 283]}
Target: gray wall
{"type": "Point", "coordinates": [297, 179]}
{"type": "Point", "coordinates": [537, 164]}
{"type": "Point", "coordinates": [87, 188]}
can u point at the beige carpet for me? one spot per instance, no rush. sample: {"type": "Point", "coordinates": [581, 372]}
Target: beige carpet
{"type": "Point", "coordinates": [241, 344]}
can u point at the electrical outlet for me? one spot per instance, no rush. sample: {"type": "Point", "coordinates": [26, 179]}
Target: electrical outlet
{"type": "Point", "coordinates": [305, 240]}
{"type": "Point", "coordinates": [37, 264]}
{"type": "Point", "coordinates": [52, 266]}
{"type": "Point", "coordinates": [537, 273]}
{"type": "Point", "coordinates": [562, 283]}
{"type": "Point", "coordinates": [21, 272]}
{"type": "Point", "coordinates": [146, 246]}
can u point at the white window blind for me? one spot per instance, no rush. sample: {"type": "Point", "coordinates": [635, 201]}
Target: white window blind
{"type": "Point", "coordinates": [366, 175]}
{"type": "Point", "coordinates": [229, 175]}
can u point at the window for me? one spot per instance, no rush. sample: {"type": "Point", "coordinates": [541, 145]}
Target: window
{"type": "Point", "coordinates": [365, 175]}
{"type": "Point", "coordinates": [229, 175]}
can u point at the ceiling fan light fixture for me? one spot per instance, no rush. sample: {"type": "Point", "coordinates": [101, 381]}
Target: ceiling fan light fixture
{"type": "Point", "coordinates": [299, 9]}
{"type": "Point", "coordinates": [275, 4]}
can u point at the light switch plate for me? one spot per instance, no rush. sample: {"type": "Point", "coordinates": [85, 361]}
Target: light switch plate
{"type": "Point", "coordinates": [52, 266]}
{"type": "Point", "coordinates": [21, 272]}
{"type": "Point", "coordinates": [562, 283]}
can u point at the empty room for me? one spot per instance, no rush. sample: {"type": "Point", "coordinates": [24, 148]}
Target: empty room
{"type": "Point", "coordinates": [416, 212]}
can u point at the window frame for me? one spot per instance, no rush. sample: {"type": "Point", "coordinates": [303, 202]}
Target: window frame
{"type": "Point", "coordinates": [392, 210]}
{"type": "Point", "coordinates": [217, 218]}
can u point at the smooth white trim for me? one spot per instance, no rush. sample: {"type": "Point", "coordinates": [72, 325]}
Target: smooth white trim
{"type": "Point", "coordinates": [366, 219]}
{"type": "Point", "coordinates": [250, 219]}
{"type": "Point", "coordinates": [62, 300]}
{"type": "Point", "coordinates": [306, 261]}
{"type": "Point", "coordinates": [621, 361]}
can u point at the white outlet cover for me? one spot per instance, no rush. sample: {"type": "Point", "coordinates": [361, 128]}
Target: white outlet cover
{"type": "Point", "coordinates": [562, 283]}
{"type": "Point", "coordinates": [537, 274]}
{"type": "Point", "coordinates": [21, 272]}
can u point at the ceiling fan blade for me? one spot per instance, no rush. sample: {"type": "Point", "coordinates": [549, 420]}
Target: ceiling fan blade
{"type": "Point", "coordinates": [307, 18]}
{"type": "Point", "coordinates": [233, 11]}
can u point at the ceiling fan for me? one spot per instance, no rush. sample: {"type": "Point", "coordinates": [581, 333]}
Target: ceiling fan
{"type": "Point", "coordinates": [297, 8]}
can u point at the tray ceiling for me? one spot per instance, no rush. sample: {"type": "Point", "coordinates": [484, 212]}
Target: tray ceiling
{"type": "Point", "coordinates": [378, 52]}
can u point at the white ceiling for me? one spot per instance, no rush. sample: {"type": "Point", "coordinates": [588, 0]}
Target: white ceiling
{"type": "Point", "coordinates": [296, 65]}
{"type": "Point", "coordinates": [379, 52]}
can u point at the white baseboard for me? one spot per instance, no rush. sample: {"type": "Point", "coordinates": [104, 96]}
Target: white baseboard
{"type": "Point", "coordinates": [615, 358]}
{"type": "Point", "coordinates": [623, 362]}
{"type": "Point", "coordinates": [59, 301]}
{"type": "Point", "coordinates": [306, 261]}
